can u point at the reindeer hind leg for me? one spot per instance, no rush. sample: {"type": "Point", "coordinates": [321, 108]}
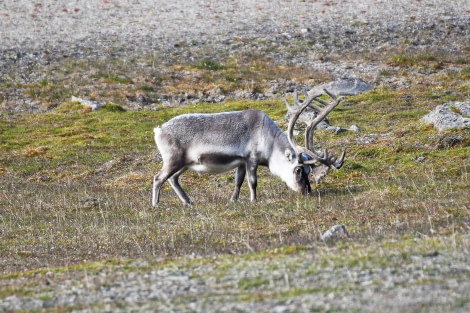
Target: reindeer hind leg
{"type": "Point", "coordinates": [165, 173]}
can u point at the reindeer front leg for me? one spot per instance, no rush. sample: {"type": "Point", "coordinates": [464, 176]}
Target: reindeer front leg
{"type": "Point", "coordinates": [239, 178]}
{"type": "Point", "coordinates": [252, 179]}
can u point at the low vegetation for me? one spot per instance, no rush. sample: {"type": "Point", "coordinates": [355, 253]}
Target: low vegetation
{"type": "Point", "coordinates": [76, 184]}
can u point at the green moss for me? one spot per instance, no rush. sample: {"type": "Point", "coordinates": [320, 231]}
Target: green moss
{"type": "Point", "coordinates": [402, 60]}
{"type": "Point", "coordinates": [112, 107]}
{"type": "Point", "coordinates": [210, 65]}
{"type": "Point", "coordinates": [250, 283]}
{"type": "Point", "coordinates": [69, 107]}
{"type": "Point", "coordinates": [465, 73]}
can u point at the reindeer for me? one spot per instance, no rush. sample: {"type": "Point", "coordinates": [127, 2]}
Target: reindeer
{"type": "Point", "coordinates": [217, 143]}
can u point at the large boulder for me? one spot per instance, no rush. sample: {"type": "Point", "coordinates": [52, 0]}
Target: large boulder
{"type": "Point", "coordinates": [449, 115]}
{"type": "Point", "coordinates": [343, 87]}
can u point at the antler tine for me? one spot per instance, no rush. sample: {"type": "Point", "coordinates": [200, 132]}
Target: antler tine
{"type": "Point", "coordinates": [332, 96]}
{"type": "Point", "coordinates": [322, 113]}
{"type": "Point", "coordinates": [290, 129]}
{"type": "Point", "coordinates": [309, 149]}
{"type": "Point", "coordinates": [310, 99]}
{"type": "Point", "coordinates": [338, 163]}
{"type": "Point", "coordinates": [296, 100]}
{"type": "Point", "coordinates": [309, 132]}
{"type": "Point", "coordinates": [288, 106]}
{"type": "Point", "coordinates": [306, 93]}
{"type": "Point", "coordinates": [328, 107]}
{"type": "Point", "coordinates": [291, 108]}
{"type": "Point", "coordinates": [296, 97]}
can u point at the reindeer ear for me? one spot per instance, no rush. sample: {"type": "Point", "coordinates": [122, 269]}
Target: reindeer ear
{"type": "Point", "coordinates": [288, 154]}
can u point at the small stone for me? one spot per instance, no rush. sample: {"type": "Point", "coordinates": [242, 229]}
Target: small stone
{"type": "Point", "coordinates": [336, 232]}
{"type": "Point", "coordinates": [90, 202]}
{"type": "Point", "coordinates": [354, 128]}
{"type": "Point", "coordinates": [420, 159]}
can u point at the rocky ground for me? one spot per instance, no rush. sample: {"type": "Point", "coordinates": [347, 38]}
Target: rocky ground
{"type": "Point", "coordinates": [38, 40]}
{"type": "Point", "coordinates": [305, 281]}
{"type": "Point", "coordinates": [42, 43]}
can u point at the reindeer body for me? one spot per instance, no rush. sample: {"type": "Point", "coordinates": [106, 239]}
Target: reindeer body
{"type": "Point", "coordinates": [217, 143]}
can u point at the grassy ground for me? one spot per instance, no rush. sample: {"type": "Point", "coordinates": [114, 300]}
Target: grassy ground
{"type": "Point", "coordinates": [75, 185]}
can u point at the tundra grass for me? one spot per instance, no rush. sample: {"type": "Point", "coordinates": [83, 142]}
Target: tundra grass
{"type": "Point", "coordinates": [76, 185]}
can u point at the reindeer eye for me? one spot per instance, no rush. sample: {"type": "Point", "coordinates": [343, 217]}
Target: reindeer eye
{"type": "Point", "coordinates": [298, 170]}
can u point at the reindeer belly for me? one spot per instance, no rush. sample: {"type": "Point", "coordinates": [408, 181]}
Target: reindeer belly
{"type": "Point", "coordinates": [216, 162]}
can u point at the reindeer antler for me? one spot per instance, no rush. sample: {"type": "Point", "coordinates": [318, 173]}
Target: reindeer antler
{"type": "Point", "coordinates": [309, 150]}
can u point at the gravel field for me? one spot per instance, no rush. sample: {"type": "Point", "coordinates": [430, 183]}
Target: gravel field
{"type": "Point", "coordinates": [148, 25]}
{"type": "Point", "coordinates": [337, 38]}
{"type": "Point", "coordinates": [305, 281]}
{"type": "Point", "coordinates": [38, 35]}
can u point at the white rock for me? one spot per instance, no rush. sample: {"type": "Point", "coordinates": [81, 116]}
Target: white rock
{"type": "Point", "coordinates": [354, 128]}
{"type": "Point", "coordinates": [449, 115]}
{"type": "Point", "coordinates": [95, 105]}
{"type": "Point", "coordinates": [334, 233]}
